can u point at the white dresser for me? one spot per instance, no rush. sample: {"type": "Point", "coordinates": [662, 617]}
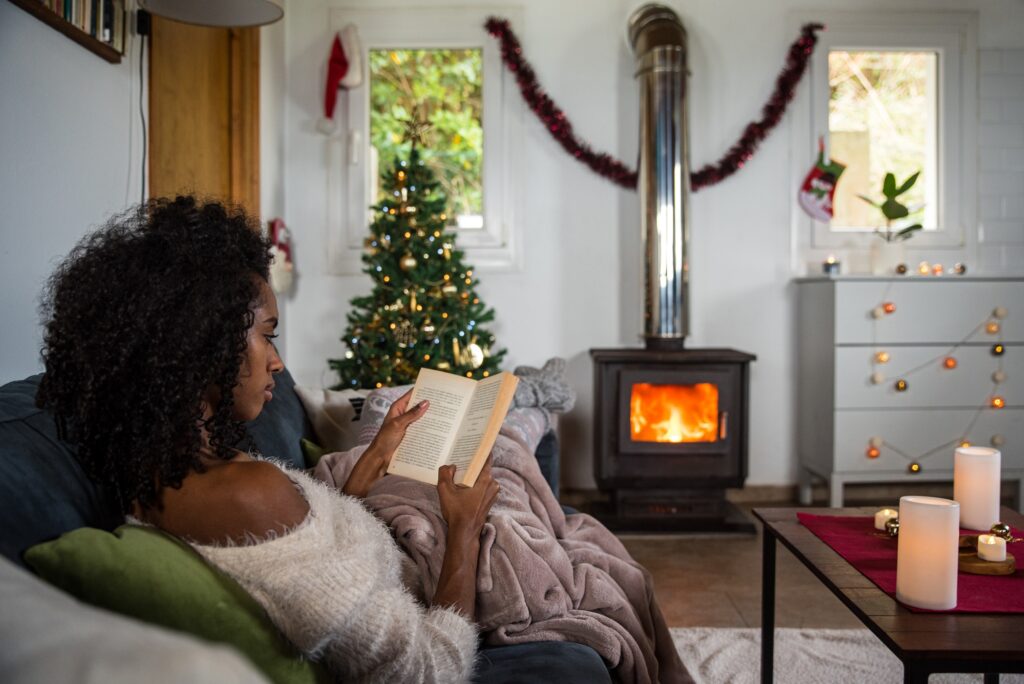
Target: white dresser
{"type": "Point", "coordinates": [857, 336]}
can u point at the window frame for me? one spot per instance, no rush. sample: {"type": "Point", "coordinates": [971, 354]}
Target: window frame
{"type": "Point", "coordinates": [953, 36]}
{"type": "Point", "coordinates": [498, 245]}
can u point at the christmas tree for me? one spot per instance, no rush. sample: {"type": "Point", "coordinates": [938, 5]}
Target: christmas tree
{"type": "Point", "coordinates": [423, 311]}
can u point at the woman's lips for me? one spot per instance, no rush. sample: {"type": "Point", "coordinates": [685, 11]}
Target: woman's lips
{"type": "Point", "coordinates": [268, 395]}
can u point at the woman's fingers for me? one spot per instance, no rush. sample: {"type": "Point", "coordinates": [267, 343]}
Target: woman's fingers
{"type": "Point", "coordinates": [399, 405]}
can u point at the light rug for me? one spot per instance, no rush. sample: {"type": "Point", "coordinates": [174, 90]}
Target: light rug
{"type": "Point", "coordinates": [802, 656]}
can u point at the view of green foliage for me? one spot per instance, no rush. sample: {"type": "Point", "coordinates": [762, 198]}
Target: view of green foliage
{"type": "Point", "coordinates": [445, 89]}
{"type": "Point", "coordinates": [889, 98]}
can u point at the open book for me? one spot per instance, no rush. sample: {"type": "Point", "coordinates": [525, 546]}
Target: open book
{"type": "Point", "coordinates": [459, 427]}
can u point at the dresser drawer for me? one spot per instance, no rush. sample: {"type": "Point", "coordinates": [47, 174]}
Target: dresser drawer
{"type": "Point", "coordinates": [927, 310]}
{"type": "Point", "coordinates": [918, 431]}
{"type": "Point", "coordinates": [967, 386]}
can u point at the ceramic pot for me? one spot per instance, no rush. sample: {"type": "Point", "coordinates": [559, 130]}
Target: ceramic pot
{"type": "Point", "coordinates": [886, 256]}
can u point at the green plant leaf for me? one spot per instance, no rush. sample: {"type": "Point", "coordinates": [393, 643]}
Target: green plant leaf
{"type": "Point", "coordinates": [870, 201]}
{"type": "Point", "coordinates": [907, 184]}
{"type": "Point", "coordinates": [889, 186]}
{"type": "Point", "coordinates": [908, 232]}
{"type": "Point", "coordinates": [894, 210]}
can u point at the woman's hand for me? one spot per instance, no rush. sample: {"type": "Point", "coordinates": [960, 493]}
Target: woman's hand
{"type": "Point", "coordinates": [465, 509]}
{"type": "Point", "coordinates": [374, 462]}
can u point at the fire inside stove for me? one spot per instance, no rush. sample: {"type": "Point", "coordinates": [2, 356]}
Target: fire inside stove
{"type": "Point", "coordinates": [674, 413]}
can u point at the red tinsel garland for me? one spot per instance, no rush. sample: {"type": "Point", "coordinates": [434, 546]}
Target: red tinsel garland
{"type": "Point", "coordinates": [559, 126]}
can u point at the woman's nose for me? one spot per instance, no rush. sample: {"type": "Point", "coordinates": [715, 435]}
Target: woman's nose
{"type": "Point", "coordinates": [274, 363]}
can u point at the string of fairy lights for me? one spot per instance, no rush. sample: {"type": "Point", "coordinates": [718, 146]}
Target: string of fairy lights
{"type": "Point", "coordinates": [947, 361]}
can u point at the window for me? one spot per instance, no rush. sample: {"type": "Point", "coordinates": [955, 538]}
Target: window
{"type": "Point", "coordinates": [439, 66]}
{"type": "Point", "coordinates": [891, 92]}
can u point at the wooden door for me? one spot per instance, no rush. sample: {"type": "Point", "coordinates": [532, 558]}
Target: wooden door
{"type": "Point", "coordinates": [204, 112]}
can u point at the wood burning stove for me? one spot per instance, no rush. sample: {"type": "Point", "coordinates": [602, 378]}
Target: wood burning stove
{"type": "Point", "coordinates": [670, 435]}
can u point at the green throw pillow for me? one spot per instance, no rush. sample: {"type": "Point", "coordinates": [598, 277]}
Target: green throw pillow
{"type": "Point", "coordinates": [146, 574]}
{"type": "Point", "coordinates": [311, 452]}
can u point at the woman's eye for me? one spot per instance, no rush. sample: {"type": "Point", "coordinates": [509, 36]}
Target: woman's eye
{"type": "Point", "coordinates": [271, 338]}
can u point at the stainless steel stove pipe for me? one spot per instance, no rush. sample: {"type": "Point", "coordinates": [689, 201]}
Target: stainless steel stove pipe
{"type": "Point", "coordinates": [659, 43]}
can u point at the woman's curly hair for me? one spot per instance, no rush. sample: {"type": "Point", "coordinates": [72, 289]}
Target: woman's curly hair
{"type": "Point", "coordinates": [142, 318]}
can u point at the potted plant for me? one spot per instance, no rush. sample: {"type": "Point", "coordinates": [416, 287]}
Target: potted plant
{"type": "Point", "coordinates": [888, 254]}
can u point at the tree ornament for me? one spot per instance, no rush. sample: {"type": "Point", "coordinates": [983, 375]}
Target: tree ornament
{"type": "Point", "coordinates": [474, 355]}
{"type": "Point", "coordinates": [405, 334]}
{"type": "Point", "coordinates": [443, 365]}
{"type": "Point", "coordinates": [344, 70]}
{"type": "Point", "coordinates": [449, 288]}
{"type": "Point", "coordinates": [407, 262]}
{"type": "Point", "coordinates": [892, 525]}
{"type": "Point", "coordinates": [999, 312]}
{"type": "Point", "coordinates": [1002, 530]}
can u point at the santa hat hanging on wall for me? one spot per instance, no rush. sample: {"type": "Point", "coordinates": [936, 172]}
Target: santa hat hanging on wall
{"type": "Point", "coordinates": [344, 70]}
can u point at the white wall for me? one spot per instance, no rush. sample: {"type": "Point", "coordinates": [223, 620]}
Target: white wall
{"type": "Point", "coordinates": [580, 286]}
{"type": "Point", "coordinates": [66, 164]}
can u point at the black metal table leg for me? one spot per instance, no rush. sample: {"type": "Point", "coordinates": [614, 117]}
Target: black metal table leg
{"type": "Point", "coordinates": [767, 606]}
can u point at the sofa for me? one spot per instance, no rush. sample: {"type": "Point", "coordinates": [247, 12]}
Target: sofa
{"type": "Point", "coordinates": [44, 494]}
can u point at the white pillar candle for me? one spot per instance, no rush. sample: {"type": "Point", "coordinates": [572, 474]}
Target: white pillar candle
{"type": "Point", "coordinates": [976, 486]}
{"type": "Point", "coordinates": [927, 552]}
{"type": "Point", "coordinates": [883, 516]}
{"type": "Point", "coordinates": [991, 547]}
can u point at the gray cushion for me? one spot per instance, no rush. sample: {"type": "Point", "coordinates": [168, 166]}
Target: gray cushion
{"type": "Point", "coordinates": [43, 490]}
{"type": "Point", "coordinates": [558, 662]}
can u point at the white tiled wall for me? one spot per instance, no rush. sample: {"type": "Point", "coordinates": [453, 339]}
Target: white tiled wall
{"type": "Point", "coordinates": [1001, 162]}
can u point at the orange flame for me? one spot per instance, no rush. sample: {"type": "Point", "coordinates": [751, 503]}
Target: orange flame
{"type": "Point", "coordinates": [674, 413]}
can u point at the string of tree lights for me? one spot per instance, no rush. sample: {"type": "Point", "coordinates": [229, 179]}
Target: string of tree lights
{"type": "Point", "coordinates": [946, 361]}
{"type": "Point", "coordinates": [423, 311]}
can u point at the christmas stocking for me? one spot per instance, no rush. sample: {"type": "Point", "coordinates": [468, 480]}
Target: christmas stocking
{"type": "Point", "coordinates": [819, 187]}
{"type": "Point", "coordinates": [282, 269]}
{"type": "Point", "coordinates": [344, 70]}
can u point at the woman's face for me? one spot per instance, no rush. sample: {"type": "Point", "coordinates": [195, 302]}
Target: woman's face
{"type": "Point", "coordinates": [261, 361]}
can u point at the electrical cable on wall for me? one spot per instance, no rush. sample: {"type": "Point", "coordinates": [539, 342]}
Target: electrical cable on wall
{"type": "Point", "coordinates": [142, 112]}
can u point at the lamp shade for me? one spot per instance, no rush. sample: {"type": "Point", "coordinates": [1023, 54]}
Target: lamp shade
{"type": "Point", "coordinates": [222, 13]}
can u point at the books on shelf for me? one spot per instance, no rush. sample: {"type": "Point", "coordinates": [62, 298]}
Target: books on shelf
{"type": "Point", "coordinates": [104, 20]}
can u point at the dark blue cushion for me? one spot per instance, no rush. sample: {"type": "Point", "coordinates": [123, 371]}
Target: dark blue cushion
{"type": "Point", "coordinates": [279, 430]}
{"type": "Point", "coordinates": [558, 662]}
{"type": "Point", "coordinates": [547, 458]}
{"type": "Point", "coordinates": [43, 490]}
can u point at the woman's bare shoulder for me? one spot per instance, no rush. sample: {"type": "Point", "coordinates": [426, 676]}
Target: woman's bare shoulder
{"type": "Point", "coordinates": [237, 501]}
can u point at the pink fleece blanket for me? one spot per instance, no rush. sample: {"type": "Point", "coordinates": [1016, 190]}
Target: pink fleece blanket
{"type": "Point", "coordinates": [543, 575]}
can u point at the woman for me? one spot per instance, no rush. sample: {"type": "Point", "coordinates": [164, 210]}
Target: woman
{"type": "Point", "coordinates": [158, 347]}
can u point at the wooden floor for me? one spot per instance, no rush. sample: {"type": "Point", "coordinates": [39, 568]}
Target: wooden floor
{"type": "Point", "coordinates": [715, 581]}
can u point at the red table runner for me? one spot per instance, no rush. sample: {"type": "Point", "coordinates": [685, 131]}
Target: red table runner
{"type": "Point", "coordinates": [874, 556]}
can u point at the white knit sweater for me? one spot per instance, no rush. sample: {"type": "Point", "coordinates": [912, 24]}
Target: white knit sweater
{"type": "Point", "coordinates": [333, 586]}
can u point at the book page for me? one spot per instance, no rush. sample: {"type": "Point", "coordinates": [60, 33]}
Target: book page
{"type": "Point", "coordinates": [478, 415]}
{"type": "Point", "coordinates": [429, 439]}
{"type": "Point", "coordinates": [480, 426]}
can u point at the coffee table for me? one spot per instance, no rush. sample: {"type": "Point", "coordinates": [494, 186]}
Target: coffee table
{"type": "Point", "coordinates": [924, 642]}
